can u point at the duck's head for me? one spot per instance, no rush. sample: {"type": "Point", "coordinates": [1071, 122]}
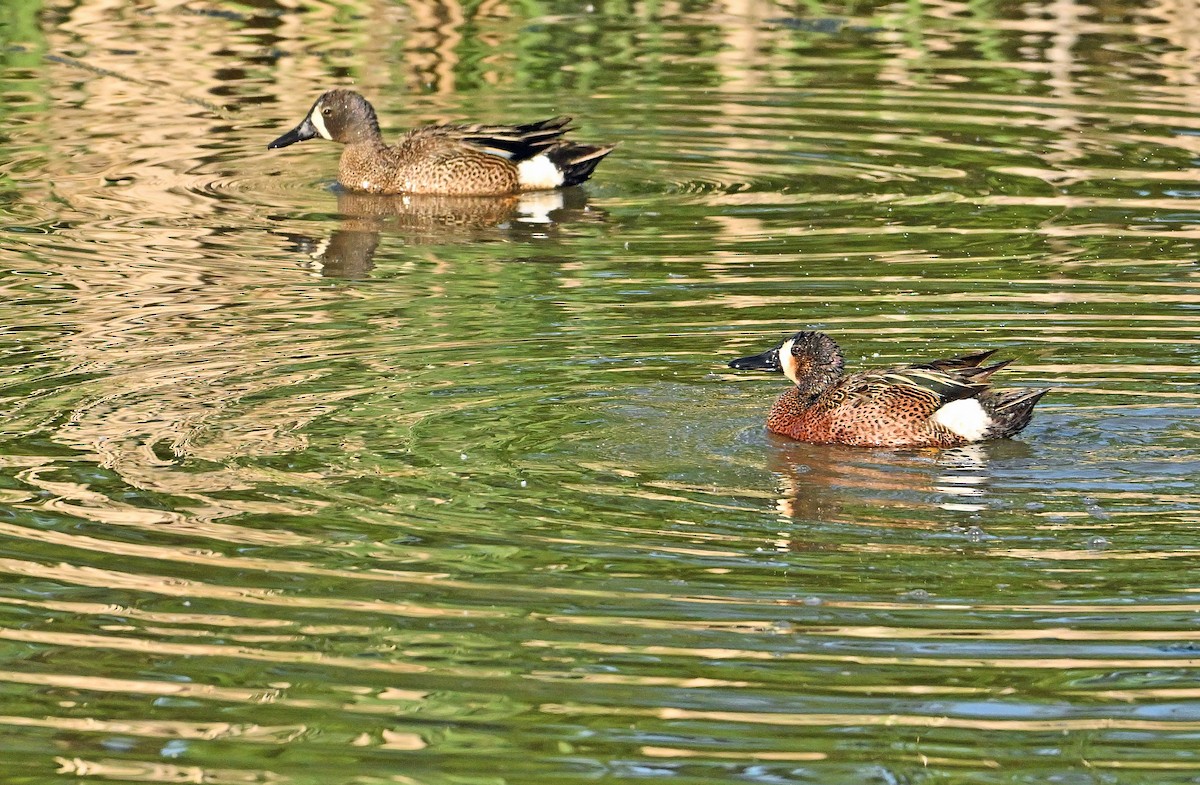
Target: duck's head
{"type": "Point", "coordinates": [339, 116]}
{"type": "Point", "coordinates": [810, 359]}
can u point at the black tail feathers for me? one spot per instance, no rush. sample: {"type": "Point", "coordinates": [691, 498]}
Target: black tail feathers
{"type": "Point", "coordinates": [577, 161]}
{"type": "Point", "coordinates": [1010, 410]}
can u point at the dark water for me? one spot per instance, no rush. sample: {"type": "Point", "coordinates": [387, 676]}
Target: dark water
{"type": "Point", "coordinates": [304, 487]}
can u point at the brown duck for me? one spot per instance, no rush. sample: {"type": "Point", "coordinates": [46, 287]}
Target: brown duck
{"type": "Point", "coordinates": [942, 403]}
{"type": "Point", "coordinates": [446, 160]}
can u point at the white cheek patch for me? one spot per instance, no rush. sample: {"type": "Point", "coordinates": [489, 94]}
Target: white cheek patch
{"type": "Point", "coordinates": [539, 174]}
{"type": "Point", "coordinates": [965, 418]}
{"type": "Point", "coordinates": [319, 123]}
{"type": "Point", "coordinates": [787, 362]}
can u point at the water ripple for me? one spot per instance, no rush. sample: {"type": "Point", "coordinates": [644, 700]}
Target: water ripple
{"type": "Point", "coordinates": [359, 481]}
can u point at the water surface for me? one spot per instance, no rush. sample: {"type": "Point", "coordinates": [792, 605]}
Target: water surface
{"type": "Point", "coordinates": [300, 486]}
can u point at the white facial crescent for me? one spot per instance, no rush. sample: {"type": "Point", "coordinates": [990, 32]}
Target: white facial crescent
{"type": "Point", "coordinates": [318, 122]}
{"type": "Point", "coordinates": [786, 361]}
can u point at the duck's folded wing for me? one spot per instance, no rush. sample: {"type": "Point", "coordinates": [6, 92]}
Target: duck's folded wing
{"type": "Point", "coordinates": [938, 386]}
{"type": "Point", "coordinates": [954, 363]}
{"type": "Point", "coordinates": [514, 142]}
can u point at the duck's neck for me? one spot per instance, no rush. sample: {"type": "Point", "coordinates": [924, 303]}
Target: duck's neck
{"type": "Point", "coordinates": [367, 131]}
{"type": "Point", "coordinates": [818, 382]}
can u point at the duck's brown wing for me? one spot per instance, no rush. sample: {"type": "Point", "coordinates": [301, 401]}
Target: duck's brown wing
{"type": "Point", "coordinates": [514, 142]}
{"type": "Point", "coordinates": [923, 386]}
{"type": "Point", "coordinates": [954, 363]}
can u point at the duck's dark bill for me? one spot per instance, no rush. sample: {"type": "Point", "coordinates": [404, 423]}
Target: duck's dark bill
{"type": "Point", "coordinates": [305, 130]}
{"type": "Point", "coordinates": [767, 361]}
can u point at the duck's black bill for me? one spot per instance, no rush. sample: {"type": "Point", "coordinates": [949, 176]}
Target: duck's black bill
{"type": "Point", "coordinates": [306, 130]}
{"type": "Point", "coordinates": [767, 361]}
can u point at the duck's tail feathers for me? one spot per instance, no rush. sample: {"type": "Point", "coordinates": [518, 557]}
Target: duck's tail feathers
{"type": "Point", "coordinates": [576, 162]}
{"type": "Point", "coordinates": [1010, 410]}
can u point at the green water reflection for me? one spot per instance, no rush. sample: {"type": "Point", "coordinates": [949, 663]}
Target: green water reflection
{"type": "Point", "coordinates": [298, 486]}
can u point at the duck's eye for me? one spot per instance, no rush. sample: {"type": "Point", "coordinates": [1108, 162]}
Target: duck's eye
{"type": "Point", "coordinates": [327, 111]}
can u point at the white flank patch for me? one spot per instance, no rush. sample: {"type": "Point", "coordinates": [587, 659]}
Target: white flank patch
{"type": "Point", "coordinates": [964, 417]}
{"type": "Point", "coordinates": [539, 173]}
{"type": "Point", "coordinates": [319, 122]}
{"type": "Point", "coordinates": [787, 362]}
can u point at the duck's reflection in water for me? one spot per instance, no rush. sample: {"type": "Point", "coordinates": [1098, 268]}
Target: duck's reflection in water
{"type": "Point", "coordinates": [884, 487]}
{"type": "Point", "coordinates": [349, 251]}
